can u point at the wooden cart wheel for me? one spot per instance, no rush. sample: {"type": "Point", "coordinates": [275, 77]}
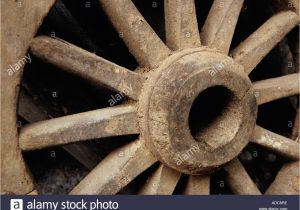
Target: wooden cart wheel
{"type": "Point", "coordinates": [162, 93]}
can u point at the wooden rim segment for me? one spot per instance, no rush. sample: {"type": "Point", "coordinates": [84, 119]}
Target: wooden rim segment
{"type": "Point", "coordinates": [15, 39]}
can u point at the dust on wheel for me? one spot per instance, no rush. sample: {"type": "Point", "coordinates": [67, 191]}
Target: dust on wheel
{"type": "Point", "coordinates": [189, 98]}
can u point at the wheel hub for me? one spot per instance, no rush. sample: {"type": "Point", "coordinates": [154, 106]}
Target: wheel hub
{"type": "Point", "coordinates": [166, 110]}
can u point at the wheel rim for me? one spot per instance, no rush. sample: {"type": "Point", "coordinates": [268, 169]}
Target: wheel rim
{"type": "Point", "coordinates": [153, 55]}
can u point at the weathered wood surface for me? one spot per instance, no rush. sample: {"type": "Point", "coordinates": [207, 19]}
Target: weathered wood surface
{"type": "Point", "coordinates": [19, 22]}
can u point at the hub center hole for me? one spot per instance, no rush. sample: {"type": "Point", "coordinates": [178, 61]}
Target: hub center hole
{"type": "Point", "coordinates": [214, 116]}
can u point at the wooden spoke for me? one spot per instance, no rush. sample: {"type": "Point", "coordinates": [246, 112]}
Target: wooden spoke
{"type": "Point", "coordinates": [162, 182]}
{"type": "Point", "coordinates": [251, 51]}
{"type": "Point", "coordinates": [239, 180]}
{"type": "Point", "coordinates": [28, 109]}
{"type": "Point", "coordinates": [220, 24]}
{"type": "Point", "coordinates": [84, 154]}
{"type": "Point", "coordinates": [31, 112]}
{"type": "Point", "coordinates": [286, 181]}
{"type": "Point", "coordinates": [138, 35]}
{"type": "Point", "coordinates": [117, 170]}
{"type": "Point", "coordinates": [197, 185]}
{"type": "Point", "coordinates": [115, 121]}
{"type": "Point", "coordinates": [87, 65]}
{"type": "Point", "coordinates": [276, 88]}
{"type": "Point", "coordinates": [63, 19]}
{"type": "Point", "coordinates": [181, 24]}
{"type": "Point", "coordinates": [279, 144]}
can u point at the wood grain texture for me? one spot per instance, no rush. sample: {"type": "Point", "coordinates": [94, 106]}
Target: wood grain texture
{"type": "Point", "coordinates": [19, 23]}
